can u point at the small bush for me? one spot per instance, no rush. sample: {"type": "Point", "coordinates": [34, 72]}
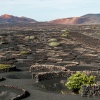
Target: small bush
{"type": "Point", "coordinates": [53, 44]}
{"type": "Point", "coordinates": [78, 79]}
{"type": "Point", "coordinates": [24, 52]}
{"type": "Point", "coordinates": [65, 33]}
{"type": "Point", "coordinates": [2, 66]}
{"type": "Point", "coordinates": [65, 30]}
{"type": "Point", "coordinates": [29, 37]}
{"type": "Point", "coordinates": [52, 40]}
{"type": "Point", "coordinates": [32, 37]}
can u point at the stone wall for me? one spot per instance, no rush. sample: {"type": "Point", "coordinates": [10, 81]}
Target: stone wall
{"type": "Point", "coordinates": [60, 74]}
{"type": "Point", "coordinates": [88, 91]}
{"type": "Point", "coordinates": [18, 97]}
{"type": "Point", "coordinates": [50, 75]}
{"type": "Point", "coordinates": [46, 68]}
{"type": "Point", "coordinates": [47, 72]}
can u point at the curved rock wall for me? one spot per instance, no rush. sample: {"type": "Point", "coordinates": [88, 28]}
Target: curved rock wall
{"type": "Point", "coordinates": [22, 95]}
{"type": "Point", "coordinates": [90, 90]}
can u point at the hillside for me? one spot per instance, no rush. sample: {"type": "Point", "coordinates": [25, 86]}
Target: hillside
{"type": "Point", "coordinates": [14, 19]}
{"type": "Point", "coordinates": [85, 19]}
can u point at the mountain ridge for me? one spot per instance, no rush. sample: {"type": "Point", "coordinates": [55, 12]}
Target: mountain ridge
{"type": "Point", "coordinates": [85, 19]}
{"type": "Point", "coordinates": [6, 18]}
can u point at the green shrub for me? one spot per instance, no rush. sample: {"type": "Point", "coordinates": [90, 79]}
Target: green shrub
{"type": "Point", "coordinates": [78, 79]}
{"type": "Point", "coordinates": [3, 66]}
{"type": "Point", "coordinates": [65, 33]}
{"type": "Point", "coordinates": [52, 40]}
{"type": "Point", "coordinates": [53, 44]}
{"type": "Point", "coordinates": [65, 30]}
{"type": "Point", "coordinates": [29, 37]}
{"type": "Point", "coordinates": [32, 37]}
{"type": "Point", "coordinates": [24, 52]}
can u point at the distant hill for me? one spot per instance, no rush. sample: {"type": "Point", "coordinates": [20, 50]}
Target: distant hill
{"type": "Point", "coordinates": [92, 15]}
{"type": "Point", "coordinates": [14, 19]}
{"type": "Point", "coordinates": [85, 19]}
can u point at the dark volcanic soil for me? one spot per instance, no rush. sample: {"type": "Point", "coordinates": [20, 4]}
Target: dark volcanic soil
{"type": "Point", "coordinates": [24, 48]}
{"type": "Point", "coordinates": [39, 94]}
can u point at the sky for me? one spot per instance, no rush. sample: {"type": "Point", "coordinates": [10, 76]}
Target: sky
{"type": "Point", "coordinates": [46, 10]}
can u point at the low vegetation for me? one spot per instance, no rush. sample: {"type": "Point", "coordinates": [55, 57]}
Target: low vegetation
{"type": "Point", "coordinates": [54, 44]}
{"type": "Point", "coordinates": [65, 33]}
{"type": "Point", "coordinates": [52, 40]}
{"type": "Point", "coordinates": [29, 37]}
{"type": "Point", "coordinates": [77, 80]}
{"type": "Point", "coordinates": [24, 52]}
{"type": "Point", "coordinates": [3, 66]}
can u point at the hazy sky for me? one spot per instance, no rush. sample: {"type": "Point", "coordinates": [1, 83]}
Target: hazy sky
{"type": "Point", "coordinates": [45, 10]}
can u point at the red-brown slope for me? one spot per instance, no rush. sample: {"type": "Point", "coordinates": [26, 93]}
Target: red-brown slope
{"type": "Point", "coordinates": [71, 21]}
{"type": "Point", "coordinates": [5, 16]}
{"type": "Point", "coordinates": [14, 19]}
